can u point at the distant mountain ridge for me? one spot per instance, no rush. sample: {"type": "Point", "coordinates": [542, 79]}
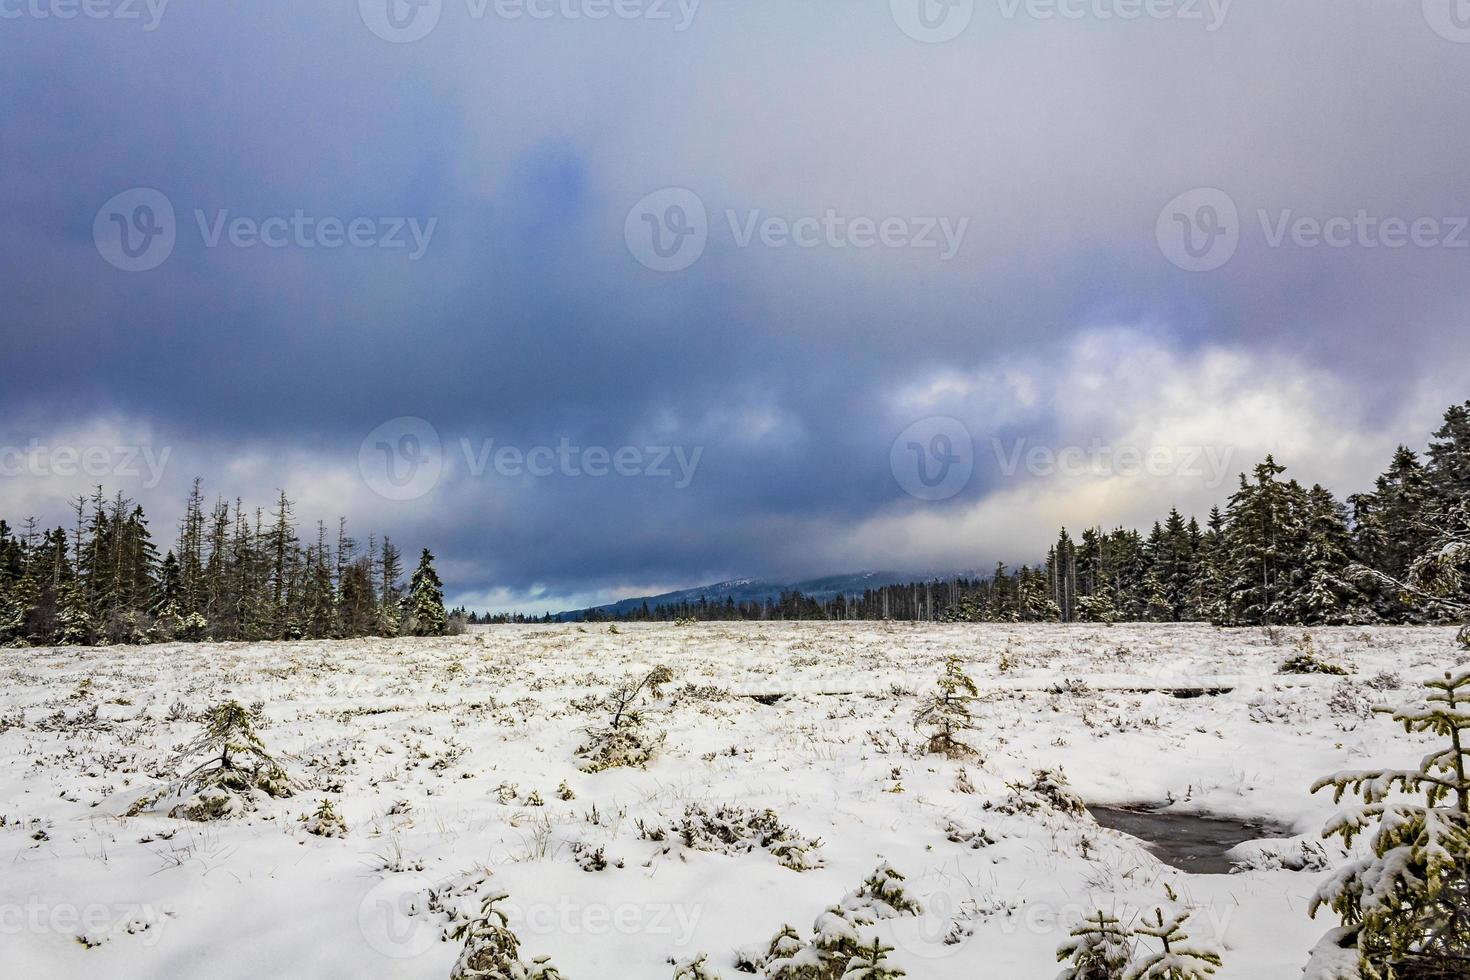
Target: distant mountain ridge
{"type": "Point", "coordinates": [760, 590]}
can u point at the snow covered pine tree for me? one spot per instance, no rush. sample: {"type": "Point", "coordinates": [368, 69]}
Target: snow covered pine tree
{"type": "Point", "coordinates": [1099, 949]}
{"type": "Point", "coordinates": [426, 615]}
{"type": "Point", "coordinates": [944, 714]}
{"type": "Point", "coordinates": [1405, 909]}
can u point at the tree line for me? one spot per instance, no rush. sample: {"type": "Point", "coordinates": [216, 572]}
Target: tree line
{"type": "Point", "coordinates": [1278, 553]}
{"type": "Point", "coordinates": [230, 575]}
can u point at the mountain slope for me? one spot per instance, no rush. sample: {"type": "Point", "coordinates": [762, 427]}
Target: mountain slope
{"type": "Point", "coordinates": [751, 590]}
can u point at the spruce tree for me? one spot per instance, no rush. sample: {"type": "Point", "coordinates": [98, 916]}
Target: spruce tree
{"type": "Point", "coordinates": [1175, 565]}
{"type": "Point", "coordinates": [1061, 571]}
{"type": "Point", "coordinates": [1129, 570]}
{"type": "Point", "coordinates": [1157, 608]}
{"type": "Point", "coordinates": [1211, 595]}
{"type": "Point", "coordinates": [282, 548]}
{"type": "Point", "coordinates": [1180, 958]}
{"type": "Point", "coordinates": [1099, 949]}
{"type": "Point", "coordinates": [1388, 527]}
{"type": "Point", "coordinates": [426, 615]}
{"type": "Point", "coordinates": [944, 715]}
{"type": "Point", "coordinates": [319, 597]}
{"type": "Point", "coordinates": [1034, 604]}
{"type": "Point", "coordinates": [1000, 607]}
{"type": "Point", "coordinates": [1261, 531]}
{"type": "Point", "coordinates": [1326, 596]}
{"type": "Point", "coordinates": [696, 969]}
{"type": "Point", "coordinates": [1407, 906]}
{"type": "Point", "coordinates": [18, 610]}
{"type": "Point", "coordinates": [1093, 569]}
{"type": "Point", "coordinates": [74, 625]}
{"type": "Point", "coordinates": [167, 592]}
{"type": "Point", "coordinates": [191, 553]}
{"type": "Point", "coordinates": [871, 963]}
{"type": "Point", "coordinates": [1098, 607]}
{"type": "Point", "coordinates": [1448, 471]}
{"type": "Point", "coordinates": [234, 766]}
{"type": "Point", "coordinates": [492, 951]}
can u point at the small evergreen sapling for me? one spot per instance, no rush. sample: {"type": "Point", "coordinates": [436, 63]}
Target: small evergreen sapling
{"type": "Point", "coordinates": [625, 739]}
{"type": "Point", "coordinates": [695, 969]}
{"type": "Point", "coordinates": [731, 829]}
{"type": "Point", "coordinates": [1407, 907]}
{"type": "Point", "coordinates": [882, 896]}
{"type": "Point", "coordinates": [1179, 958]}
{"type": "Point", "coordinates": [785, 948]}
{"type": "Point", "coordinates": [871, 963]}
{"type": "Point", "coordinates": [1048, 789]}
{"type": "Point", "coordinates": [836, 947]}
{"type": "Point", "coordinates": [325, 821]}
{"type": "Point", "coordinates": [1307, 661]}
{"type": "Point", "coordinates": [1099, 949]}
{"type": "Point", "coordinates": [944, 715]}
{"type": "Point", "coordinates": [236, 766]}
{"type": "Point", "coordinates": [167, 623]}
{"type": "Point", "coordinates": [493, 952]}
{"type": "Point", "coordinates": [193, 628]}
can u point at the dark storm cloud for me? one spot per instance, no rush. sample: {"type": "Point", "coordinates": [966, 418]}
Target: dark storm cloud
{"type": "Point", "coordinates": [528, 320]}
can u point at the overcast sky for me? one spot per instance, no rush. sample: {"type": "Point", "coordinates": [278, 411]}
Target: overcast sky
{"type": "Point", "coordinates": [814, 285]}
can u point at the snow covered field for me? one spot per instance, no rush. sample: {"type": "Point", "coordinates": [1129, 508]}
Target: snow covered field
{"type": "Point", "coordinates": [436, 753]}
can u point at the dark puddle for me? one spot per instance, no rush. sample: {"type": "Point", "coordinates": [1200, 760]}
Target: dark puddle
{"type": "Point", "coordinates": [1188, 841]}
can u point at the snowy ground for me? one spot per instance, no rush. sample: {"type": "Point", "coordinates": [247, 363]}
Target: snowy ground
{"type": "Point", "coordinates": [431, 750]}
